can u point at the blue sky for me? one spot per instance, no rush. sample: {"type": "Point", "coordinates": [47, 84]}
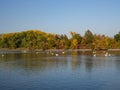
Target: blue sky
{"type": "Point", "coordinates": [60, 16]}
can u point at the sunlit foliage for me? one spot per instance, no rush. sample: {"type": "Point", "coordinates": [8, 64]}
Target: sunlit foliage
{"type": "Point", "coordinates": [36, 39]}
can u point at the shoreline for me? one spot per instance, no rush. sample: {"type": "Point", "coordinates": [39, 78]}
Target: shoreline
{"type": "Point", "coordinates": [40, 50]}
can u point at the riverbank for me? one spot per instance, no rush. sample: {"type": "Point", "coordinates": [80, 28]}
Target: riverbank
{"type": "Point", "coordinates": [39, 50]}
{"type": "Point", "coordinates": [113, 49]}
{"type": "Point", "coordinates": [49, 50]}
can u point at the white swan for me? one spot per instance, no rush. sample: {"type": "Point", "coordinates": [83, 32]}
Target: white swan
{"type": "Point", "coordinates": [56, 54]}
{"type": "Point", "coordinates": [106, 54]}
{"type": "Point", "coordinates": [94, 55]}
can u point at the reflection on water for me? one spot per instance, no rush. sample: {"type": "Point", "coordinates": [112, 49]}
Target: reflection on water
{"type": "Point", "coordinates": [71, 71]}
{"type": "Point", "coordinates": [33, 61]}
{"type": "Point", "coordinates": [73, 60]}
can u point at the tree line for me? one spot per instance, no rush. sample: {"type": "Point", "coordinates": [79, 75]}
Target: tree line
{"type": "Point", "coordinates": [36, 39]}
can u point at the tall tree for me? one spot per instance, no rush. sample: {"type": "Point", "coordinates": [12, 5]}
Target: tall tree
{"type": "Point", "coordinates": [87, 39]}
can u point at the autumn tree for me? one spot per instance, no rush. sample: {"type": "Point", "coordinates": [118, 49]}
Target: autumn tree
{"type": "Point", "coordinates": [50, 41]}
{"type": "Point", "coordinates": [64, 42]}
{"type": "Point", "coordinates": [5, 41]}
{"type": "Point", "coordinates": [75, 40]}
{"type": "Point", "coordinates": [36, 39]}
{"type": "Point", "coordinates": [102, 42]}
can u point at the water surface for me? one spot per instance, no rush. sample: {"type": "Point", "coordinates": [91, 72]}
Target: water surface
{"type": "Point", "coordinates": [68, 71]}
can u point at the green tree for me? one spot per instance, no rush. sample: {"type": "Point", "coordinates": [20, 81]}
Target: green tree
{"type": "Point", "coordinates": [117, 37]}
{"type": "Point", "coordinates": [87, 39]}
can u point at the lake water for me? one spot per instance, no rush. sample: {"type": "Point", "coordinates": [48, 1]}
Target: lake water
{"type": "Point", "coordinates": [68, 71]}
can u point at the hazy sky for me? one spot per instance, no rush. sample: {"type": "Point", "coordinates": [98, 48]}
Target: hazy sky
{"type": "Point", "coordinates": [60, 16]}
